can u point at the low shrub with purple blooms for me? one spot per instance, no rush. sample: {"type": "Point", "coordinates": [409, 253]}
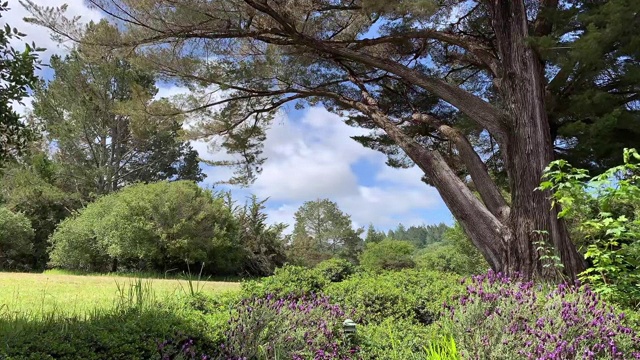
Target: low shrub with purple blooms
{"type": "Point", "coordinates": [502, 318]}
{"type": "Point", "coordinates": [290, 328]}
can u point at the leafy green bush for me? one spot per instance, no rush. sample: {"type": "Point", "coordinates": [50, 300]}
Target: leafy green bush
{"type": "Point", "coordinates": [159, 226]}
{"type": "Point", "coordinates": [31, 192]}
{"type": "Point", "coordinates": [388, 255]}
{"type": "Point", "coordinates": [16, 236]}
{"type": "Point", "coordinates": [408, 294]}
{"type": "Point", "coordinates": [287, 280]}
{"type": "Point", "coordinates": [455, 254]}
{"type": "Point", "coordinates": [605, 214]}
{"type": "Point", "coordinates": [336, 270]}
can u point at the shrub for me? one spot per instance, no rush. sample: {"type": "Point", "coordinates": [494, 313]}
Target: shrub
{"type": "Point", "coordinates": [388, 255]}
{"type": "Point", "coordinates": [501, 318]}
{"type": "Point", "coordinates": [262, 243]}
{"type": "Point", "coordinates": [291, 328]}
{"type": "Point", "coordinates": [335, 270]}
{"type": "Point", "coordinates": [287, 280]}
{"type": "Point", "coordinates": [407, 294]}
{"type": "Point", "coordinates": [455, 254]}
{"type": "Point", "coordinates": [149, 226]}
{"type": "Point", "coordinates": [30, 192]}
{"type": "Point", "coordinates": [16, 236]}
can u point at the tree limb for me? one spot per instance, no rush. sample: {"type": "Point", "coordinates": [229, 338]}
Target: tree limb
{"type": "Point", "coordinates": [486, 186]}
{"type": "Point", "coordinates": [477, 109]}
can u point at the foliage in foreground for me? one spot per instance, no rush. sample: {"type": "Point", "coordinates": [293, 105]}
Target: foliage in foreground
{"type": "Point", "coordinates": [130, 330]}
{"type": "Point", "coordinates": [290, 328]}
{"type": "Point", "coordinates": [413, 295]}
{"type": "Point", "coordinates": [416, 296]}
{"type": "Point", "coordinates": [496, 318]}
{"type": "Point", "coordinates": [604, 212]}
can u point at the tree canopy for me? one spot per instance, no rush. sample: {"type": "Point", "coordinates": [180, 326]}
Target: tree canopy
{"type": "Point", "coordinates": [481, 95]}
{"type": "Point", "coordinates": [96, 113]}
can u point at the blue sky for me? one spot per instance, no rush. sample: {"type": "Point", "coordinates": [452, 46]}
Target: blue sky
{"type": "Point", "coordinates": [310, 156]}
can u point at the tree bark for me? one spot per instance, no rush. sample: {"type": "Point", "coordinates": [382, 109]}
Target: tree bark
{"type": "Point", "coordinates": [508, 243]}
{"type": "Point", "coordinates": [529, 148]}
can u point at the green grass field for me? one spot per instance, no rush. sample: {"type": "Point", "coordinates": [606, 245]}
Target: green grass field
{"type": "Point", "coordinates": [38, 294]}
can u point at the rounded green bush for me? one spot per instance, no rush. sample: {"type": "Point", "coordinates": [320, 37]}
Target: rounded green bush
{"type": "Point", "coordinates": [388, 255]}
{"type": "Point", "coordinates": [408, 294]}
{"type": "Point", "coordinates": [287, 280]}
{"type": "Point", "coordinates": [159, 226]}
{"type": "Point", "coordinates": [336, 270]}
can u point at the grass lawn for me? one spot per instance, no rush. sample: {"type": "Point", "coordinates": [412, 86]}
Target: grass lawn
{"type": "Point", "coordinates": [37, 294]}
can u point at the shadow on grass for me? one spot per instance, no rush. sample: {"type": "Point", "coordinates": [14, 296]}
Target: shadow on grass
{"type": "Point", "coordinates": [152, 275]}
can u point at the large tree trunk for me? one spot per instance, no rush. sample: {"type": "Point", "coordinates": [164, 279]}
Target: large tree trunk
{"type": "Point", "coordinates": [529, 148]}
{"type": "Point", "coordinates": [522, 129]}
{"type": "Point", "coordinates": [507, 242]}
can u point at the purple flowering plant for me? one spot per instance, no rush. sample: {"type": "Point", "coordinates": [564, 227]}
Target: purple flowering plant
{"type": "Point", "coordinates": [509, 318]}
{"type": "Point", "coordinates": [308, 327]}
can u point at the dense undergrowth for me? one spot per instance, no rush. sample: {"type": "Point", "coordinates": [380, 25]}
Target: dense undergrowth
{"type": "Point", "coordinates": [298, 314]}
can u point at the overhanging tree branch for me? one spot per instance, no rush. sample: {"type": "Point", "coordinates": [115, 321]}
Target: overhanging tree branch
{"type": "Point", "coordinates": [477, 109]}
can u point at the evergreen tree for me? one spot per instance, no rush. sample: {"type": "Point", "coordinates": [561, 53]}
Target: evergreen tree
{"type": "Point", "coordinates": [480, 95]}
{"type": "Point", "coordinates": [322, 231]}
{"type": "Point", "coordinates": [373, 235]}
{"type": "Point", "coordinates": [97, 113]}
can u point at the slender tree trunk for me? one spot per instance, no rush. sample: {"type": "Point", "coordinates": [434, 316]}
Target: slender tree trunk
{"type": "Point", "coordinates": [529, 148]}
